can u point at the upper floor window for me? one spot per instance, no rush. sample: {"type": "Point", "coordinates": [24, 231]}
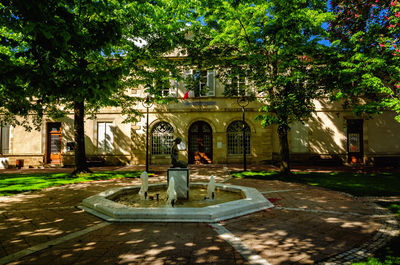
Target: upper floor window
{"type": "Point", "coordinates": [235, 138]}
{"type": "Point", "coordinates": [162, 137]}
{"type": "Point", "coordinates": [201, 82]}
{"type": "Point", "coordinates": [5, 139]}
{"type": "Point", "coordinates": [240, 85]}
{"type": "Point", "coordinates": [105, 137]}
{"type": "Point", "coordinates": [172, 89]}
{"type": "Point", "coordinates": [165, 87]}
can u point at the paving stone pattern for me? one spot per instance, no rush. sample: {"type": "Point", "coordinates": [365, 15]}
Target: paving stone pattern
{"type": "Point", "coordinates": [308, 225]}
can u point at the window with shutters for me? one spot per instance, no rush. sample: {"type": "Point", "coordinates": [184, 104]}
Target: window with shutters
{"type": "Point", "coordinates": [105, 137]}
{"type": "Point", "coordinates": [5, 140]}
{"type": "Point", "coordinates": [235, 138]}
{"type": "Point", "coordinates": [162, 137]}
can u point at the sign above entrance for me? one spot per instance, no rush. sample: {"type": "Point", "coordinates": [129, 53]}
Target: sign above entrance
{"type": "Point", "coordinates": [201, 103]}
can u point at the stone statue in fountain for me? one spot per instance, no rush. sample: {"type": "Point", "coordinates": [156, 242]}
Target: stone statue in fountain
{"type": "Point", "coordinates": [144, 177]}
{"type": "Point", "coordinates": [171, 193]}
{"type": "Point", "coordinates": [174, 154]}
{"type": "Point", "coordinates": [179, 171]}
{"type": "Point", "coordinates": [211, 188]}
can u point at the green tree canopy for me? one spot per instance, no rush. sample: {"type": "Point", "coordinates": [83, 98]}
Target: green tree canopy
{"type": "Point", "coordinates": [81, 55]}
{"type": "Point", "coordinates": [276, 46]}
{"type": "Point", "coordinates": [366, 34]}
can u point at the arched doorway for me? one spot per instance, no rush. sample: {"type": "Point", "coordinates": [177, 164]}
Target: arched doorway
{"type": "Point", "coordinates": [200, 143]}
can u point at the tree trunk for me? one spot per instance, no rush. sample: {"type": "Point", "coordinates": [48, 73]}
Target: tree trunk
{"type": "Point", "coordinates": [284, 148]}
{"type": "Point", "coordinates": [79, 135]}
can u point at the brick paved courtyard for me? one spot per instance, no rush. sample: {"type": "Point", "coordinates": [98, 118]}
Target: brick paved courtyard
{"type": "Point", "coordinates": [307, 225]}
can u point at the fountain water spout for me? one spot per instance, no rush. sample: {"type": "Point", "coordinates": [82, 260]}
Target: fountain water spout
{"type": "Point", "coordinates": [171, 193]}
{"type": "Point", "coordinates": [211, 188]}
{"type": "Point", "coordinates": [144, 177]}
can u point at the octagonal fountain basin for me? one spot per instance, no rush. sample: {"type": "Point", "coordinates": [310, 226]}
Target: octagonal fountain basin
{"type": "Point", "coordinates": [122, 205]}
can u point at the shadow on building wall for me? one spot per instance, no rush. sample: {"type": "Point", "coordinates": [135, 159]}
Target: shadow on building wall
{"type": "Point", "coordinates": [327, 137]}
{"type": "Point", "coordinates": [68, 142]}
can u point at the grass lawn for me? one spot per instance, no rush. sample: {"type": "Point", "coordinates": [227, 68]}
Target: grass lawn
{"type": "Point", "coordinates": [17, 183]}
{"type": "Point", "coordinates": [358, 184]}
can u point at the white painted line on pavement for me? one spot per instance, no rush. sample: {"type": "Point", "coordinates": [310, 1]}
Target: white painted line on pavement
{"type": "Point", "coordinates": [247, 252]}
{"type": "Point", "coordinates": [33, 249]}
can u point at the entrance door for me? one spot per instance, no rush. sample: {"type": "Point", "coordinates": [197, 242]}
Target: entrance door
{"type": "Point", "coordinates": [54, 142]}
{"type": "Point", "coordinates": [355, 145]}
{"type": "Point", "coordinates": [200, 143]}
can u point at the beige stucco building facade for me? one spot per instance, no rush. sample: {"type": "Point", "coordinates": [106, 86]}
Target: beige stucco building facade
{"type": "Point", "coordinates": [211, 127]}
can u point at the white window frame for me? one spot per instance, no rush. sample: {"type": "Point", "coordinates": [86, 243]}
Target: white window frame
{"type": "Point", "coordinates": [210, 76]}
{"type": "Point", "coordinates": [173, 87]}
{"type": "Point", "coordinates": [247, 86]}
{"type": "Point", "coordinates": [171, 90]}
{"type": "Point", "coordinates": [102, 140]}
{"type": "Point", "coordinates": [211, 89]}
{"type": "Point", "coordinates": [188, 72]}
{"type": "Point", "coordinates": [240, 83]}
{"type": "Point", "coordinates": [3, 150]}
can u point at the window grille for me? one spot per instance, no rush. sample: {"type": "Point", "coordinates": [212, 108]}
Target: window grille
{"type": "Point", "coordinates": [162, 137]}
{"type": "Point", "coordinates": [235, 138]}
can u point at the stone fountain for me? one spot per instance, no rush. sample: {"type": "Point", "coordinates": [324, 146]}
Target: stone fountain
{"type": "Point", "coordinates": [103, 205]}
{"type": "Point", "coordinates": [107, 206]}
{"type": "Point", "coordinates": [144, 177]}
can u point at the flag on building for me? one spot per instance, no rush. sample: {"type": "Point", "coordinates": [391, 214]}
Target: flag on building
{"type": "Point", "coordinates": [186, 95]}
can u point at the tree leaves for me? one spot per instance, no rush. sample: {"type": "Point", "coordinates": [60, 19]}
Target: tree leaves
{"type": "Point", "coordinates": [365, 35]}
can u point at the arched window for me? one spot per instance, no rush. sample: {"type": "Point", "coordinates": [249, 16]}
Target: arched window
{"type": "Point", "coordinates": [235, 138]}
{"type": "Point", "coordinates": [162, 137]}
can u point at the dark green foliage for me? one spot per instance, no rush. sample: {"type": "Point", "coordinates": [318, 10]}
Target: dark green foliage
{"type": "Point", "coordinates": [367, 67]}
{"type": "Point", "coordinates": [58, 56]}
{"type": "Point", "coordinates": [57, 61]}
{"type": "Point", "coordinates": [275, 45]}
{"type": "Point", "coordinates": [81, 55]}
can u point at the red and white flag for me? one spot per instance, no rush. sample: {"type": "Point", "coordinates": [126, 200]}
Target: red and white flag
{"type": "Point", "coordinates": [186, 95]}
